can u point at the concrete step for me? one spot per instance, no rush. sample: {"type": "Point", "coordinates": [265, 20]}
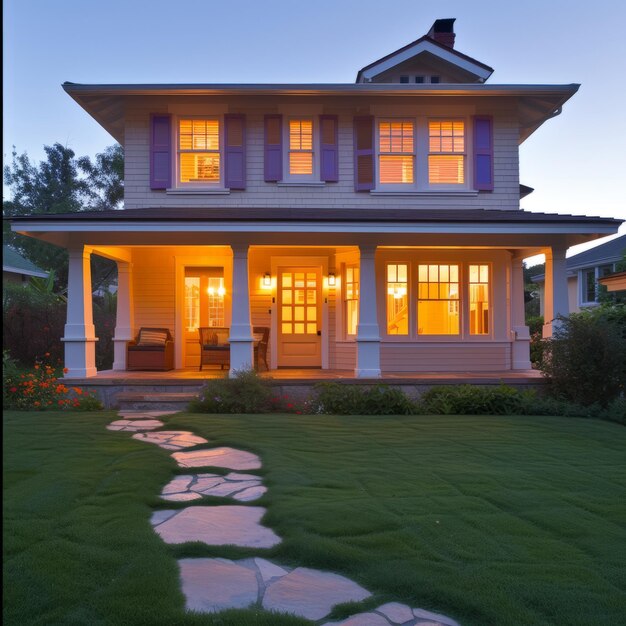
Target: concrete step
{"type": "Point", "coordinates": [153, 401]}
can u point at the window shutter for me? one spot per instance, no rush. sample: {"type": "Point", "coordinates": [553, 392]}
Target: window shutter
{"type": "Point", "coordinates": [235, 141]}
{"type": "Point", "coordinates": [329, 162]}
{"type": "Point", "coordinates": [363, 153]}
{"type": "Point", "coordinates": [273, 163]}
{"type": "Point", "coordinates": [160, 151]}
{"type": "Point", "coordinates": [483, 153]}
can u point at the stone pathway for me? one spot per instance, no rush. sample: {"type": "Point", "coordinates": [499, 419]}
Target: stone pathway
{"type": "Point", "coordinates": [242, 487]}
{"type": "Point", "coordinates": [212, 585]}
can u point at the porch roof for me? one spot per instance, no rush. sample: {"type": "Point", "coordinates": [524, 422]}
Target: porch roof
{"type": "Point", "coordinates": [310, 226]}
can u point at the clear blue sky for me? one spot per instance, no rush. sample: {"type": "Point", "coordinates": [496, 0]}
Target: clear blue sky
{"type": "Point", "coordinates": [576, 162]}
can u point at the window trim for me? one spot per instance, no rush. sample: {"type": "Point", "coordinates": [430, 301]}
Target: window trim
{"type": "Point", "coordinates": [465, 185]}
{"type": "Point", "coordinates": [582, 286]}
{"type": "Point", "coordinates": [199, 185]}
{"type": "Point", "coordinates": [301, 178]}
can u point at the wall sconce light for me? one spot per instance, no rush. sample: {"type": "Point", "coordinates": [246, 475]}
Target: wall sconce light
{"type": "Point", "coordinates": [267, 280]}
{"type": "Point", "coordinates": [332, 281]}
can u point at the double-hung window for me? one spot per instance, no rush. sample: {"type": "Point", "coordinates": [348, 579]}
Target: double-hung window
{"type": "Point", "coordinates": [396, 152]}
{"type": "Point", "coordinates": [438, 300]}
{"type": "Point", "coordinates": [446, 152]}
{"type": "Point", "coordinates": [301, 149]}
{"type": "Point", "coordinates": [199, 160]}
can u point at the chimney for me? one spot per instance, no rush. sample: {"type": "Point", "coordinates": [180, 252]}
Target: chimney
{"type": "Point", "coordinates": [442, 31]}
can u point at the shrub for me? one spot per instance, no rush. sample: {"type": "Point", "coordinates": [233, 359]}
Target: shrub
{"type": "Point", "coordinates": [584, 359]}
{"type": "Point", "coordinates": [40, 389]}
{"type": "Point", "coordinates": [337, 399]}
{"type": "Point", "coordinates": [473, 400]}
{"type": "Point", "coordinates": [244, 392]}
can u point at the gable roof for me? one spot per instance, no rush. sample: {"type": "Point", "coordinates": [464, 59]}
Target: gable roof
{"type": "Point", "coordinates": [16, 264]}
{"type": "Point", "coordinates": [420, 46]}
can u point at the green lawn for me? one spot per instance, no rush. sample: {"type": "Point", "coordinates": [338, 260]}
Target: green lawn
{"type": "Point", "coordinates": [492, 520]}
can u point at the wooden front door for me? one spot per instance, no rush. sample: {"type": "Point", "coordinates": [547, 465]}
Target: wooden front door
{"type": "Point", "coordinates": [203, 306]}
{"type": "Point", "coordinates": [299, 317]}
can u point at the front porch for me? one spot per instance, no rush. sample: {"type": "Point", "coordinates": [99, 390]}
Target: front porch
{"type": "Point", "coordinates": [160, 390]}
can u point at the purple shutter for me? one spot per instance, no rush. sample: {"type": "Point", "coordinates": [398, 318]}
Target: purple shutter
{"type": "Point", "coordinates": [235, 153]}
{"type": "Point", "coordinates": [483, 153]}
{"type": "Point", "coordinates": [363, 153]}
{"type": "Point", "coordinates": [329, 162]}
{"type": "Point", "coordinates": [273, 163]}
{"type": "Point", "coordinates": [160, 151]}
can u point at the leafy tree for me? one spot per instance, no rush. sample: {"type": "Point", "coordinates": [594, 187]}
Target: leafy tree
{"type": "Point", "coordinates": [531, 290]}
{"type": "Point", "coordinates": [62, 184]}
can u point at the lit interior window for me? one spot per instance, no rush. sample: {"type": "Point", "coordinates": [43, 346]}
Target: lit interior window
{"type": "Point", "coordinates": [446, 158]}
{"type": "Point", "coordinates": [397, 300]}
{"type": "Point", "coordinates": [438, 300]}
{"type": "Point", "coordinates": [301, 147]}
{"type": "Point", "coordinates": [352, 299]}
{"type": "Point", "coordinates": [396, 157]}
{"type": "Point", "coordinates": [479, 299]}
{"type": "Point", "coordinates": [199, 150]}
{"type": "Point", "coordinates": [204, 298]}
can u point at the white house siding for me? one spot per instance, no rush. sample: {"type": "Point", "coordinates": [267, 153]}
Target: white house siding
{"type": "Point", "coordinates": [445, 357]}
{"type": "Point", "coordinates": [331, 195]}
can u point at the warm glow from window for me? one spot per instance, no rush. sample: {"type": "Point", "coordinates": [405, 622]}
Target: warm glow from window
{"type": "Point", "coordinates": [301, 147]}
{"type": "Point", "coordinates": [298, 310]}
{"type": "Point", "coordinates": [352, 299]}
{"type": "Point", "coordinates": [479, 299]}
{"type": "Point", "coordinates": [396, 159]}
{"type": "Point", "coordinates": [446, 146]}
{"type": "Point", "coordinates": [204, 300]}
{"type": "Point", "coordinates": [397, 300]}
{"type": "Point", "coordinates": [438, 300]}
{"type": "Point", "coordinates": [198, 146]}
{"type": "Point", "coordinates": [192, 302]}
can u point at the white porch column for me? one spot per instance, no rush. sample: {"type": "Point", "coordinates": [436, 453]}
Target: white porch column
{"type": "Point", "coordinates": [80, 334]}
{"type": "Point", "coordinates": [125, 316]}
{"type": "Point", "coordinates": [368, 333]}
{"type": "Point", "coordinates": [520, 348]}
{"type": "Point", "coordinates": [555, 291]}
{"type": "Point", "coordinates": [241, 346]}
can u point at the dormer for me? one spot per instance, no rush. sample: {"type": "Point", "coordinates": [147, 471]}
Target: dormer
{"type": "Point", "coordinates": [431, 59]}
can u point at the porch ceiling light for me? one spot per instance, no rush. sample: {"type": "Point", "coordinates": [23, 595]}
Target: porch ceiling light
{"type": "Point", "coordinates": [267, 279]}
{"type": "Point", "coordinates": [332, 281]}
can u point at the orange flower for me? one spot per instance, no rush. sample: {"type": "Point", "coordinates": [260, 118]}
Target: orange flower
{"type": "Point", "coordinates": [65, 370]}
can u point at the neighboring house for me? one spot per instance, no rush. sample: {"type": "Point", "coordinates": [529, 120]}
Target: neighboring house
{"type": "Point", "coordinates": [373, 227]}
{"type": "Point", "coordinates": [17, 269]}
{"type": "Point", "coordinates": [614, 282]}
{"type": "Point", "coordinates": [585, 270]}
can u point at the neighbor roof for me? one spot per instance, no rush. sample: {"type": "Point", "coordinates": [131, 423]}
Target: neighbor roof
{"type": "Point", "coordinates": [16, 264]}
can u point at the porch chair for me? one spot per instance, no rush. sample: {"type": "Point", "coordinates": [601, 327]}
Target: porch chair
{"type": "Point", "coordinates": [153, 349]}
{"type": "Point", "coordinates": [261, 339]}
{"type": "Point", "coordinates": [214, 346]}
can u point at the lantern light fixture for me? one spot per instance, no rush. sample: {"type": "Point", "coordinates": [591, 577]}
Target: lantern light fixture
{"type": "Point", "coordinates": [267, 279]}
{"type": "Point", "coordinates": [332, 281]}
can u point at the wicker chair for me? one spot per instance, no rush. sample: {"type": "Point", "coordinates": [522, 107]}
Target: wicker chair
{"type": "Point", "coordinates": [153, 349]}
{"type": "Point", "coordinates": [261, 336]}
{"type": "Point", "coordinates": [214, 346]}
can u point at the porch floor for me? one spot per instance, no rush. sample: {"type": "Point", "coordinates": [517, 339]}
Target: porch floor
{"type": "Point", "coordinates": [310, 376]}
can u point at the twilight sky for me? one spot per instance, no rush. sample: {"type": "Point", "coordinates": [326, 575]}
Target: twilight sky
{"type": "Point", "coordinates": [576, 162]}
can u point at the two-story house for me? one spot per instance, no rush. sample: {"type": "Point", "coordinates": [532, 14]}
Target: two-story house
{"type": "Point", "coordinates": [373, 227]}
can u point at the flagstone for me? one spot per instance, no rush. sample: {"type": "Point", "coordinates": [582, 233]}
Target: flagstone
{"type": "Point", "coordinates": [212, 485]}
{"type": "Point", "coordinates": [135, 425]}
{"type": "Point", "coordinates": [396, 612]}
{"type": "Point", "coordinates": [229, 458]}
{"type": "Point", "coordinates": [212, 585]}
{"type": "Point", "coordinates": [171, 439]}
{"type": "Point", "coordinates": [434, 617]}
{"type": "Point", "coordinates": [218, 526]}
{"type": "Point", "coordinates": [362, 619]}
{"type": "Point", "coordinates": [158, 517]}
{"type": "Point", "coordinates": [249, 494]}
{"type": "Point", "coordinates": [311, 593]}
{"type": "Point", "coordinates": [269, 570]}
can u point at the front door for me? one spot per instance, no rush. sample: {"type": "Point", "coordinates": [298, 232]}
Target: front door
{"type": "Point", "coordinates": [299, 317]}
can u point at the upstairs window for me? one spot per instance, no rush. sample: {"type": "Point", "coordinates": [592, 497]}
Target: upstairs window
{"type": "Point", "coordinates": [199, 151]}
{"type": "Point", "coordinates": [434, 79]}
{"type": "Point", "coordinates": [396, 158]}
{"type": "Point", "coordinates": [446, 152]}
{"type": "Point", "coordinates": [404, 79]}
{"type": "Point", "coordinates": [301, 147]}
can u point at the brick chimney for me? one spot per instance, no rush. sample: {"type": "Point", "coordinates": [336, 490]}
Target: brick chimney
{"type": "Point", "coordinates": [442, 31]}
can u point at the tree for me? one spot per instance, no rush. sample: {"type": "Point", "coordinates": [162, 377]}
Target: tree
{"type": "Point", "coordinates": [531, 290]}
{"type": "Point", "coordinates": [62, 184]}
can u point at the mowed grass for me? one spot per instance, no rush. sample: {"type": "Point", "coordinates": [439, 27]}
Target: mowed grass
{"type": "Point", "coordinates": [491, 520]}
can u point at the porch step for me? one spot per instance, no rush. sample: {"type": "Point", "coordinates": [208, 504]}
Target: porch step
{"type": "Point", "coordinates": [154, 401]}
